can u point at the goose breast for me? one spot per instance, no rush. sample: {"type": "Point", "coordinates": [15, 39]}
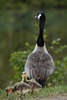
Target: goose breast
{"type": "Point", "coordinates": [39, 65]}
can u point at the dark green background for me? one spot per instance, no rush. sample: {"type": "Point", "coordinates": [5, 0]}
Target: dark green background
{"type": "Point", "coordinates": [17, 27]}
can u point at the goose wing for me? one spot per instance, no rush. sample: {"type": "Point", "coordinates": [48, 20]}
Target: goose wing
{"type": "Point", "coordinates": [39, 65]}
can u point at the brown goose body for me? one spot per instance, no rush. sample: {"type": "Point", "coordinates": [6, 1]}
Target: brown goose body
{"type": "Point", "coordinates": [39, 64]}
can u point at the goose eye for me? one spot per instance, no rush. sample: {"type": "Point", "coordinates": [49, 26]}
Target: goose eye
{"type": "Point", "coordinates": [39, 16]}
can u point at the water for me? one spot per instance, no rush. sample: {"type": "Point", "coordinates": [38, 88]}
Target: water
{"type": "Point", "coordinates": [16, 28]}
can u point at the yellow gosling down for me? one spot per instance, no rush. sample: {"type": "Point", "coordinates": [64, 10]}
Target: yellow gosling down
{"type": "Point", "coordinates": [22, 88]}
{"type": "Point", "coordinates": [35, 86]}
{"type": "Point", "coordinates": [24, 76]}
{"type": "Point", "coordinates": [18, 88]}
{"type": "Point", "coordinates": [9, 90]}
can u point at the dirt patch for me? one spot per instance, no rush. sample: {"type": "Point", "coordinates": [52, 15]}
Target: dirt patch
{"type": "Point", "coordinates": [57, 97]}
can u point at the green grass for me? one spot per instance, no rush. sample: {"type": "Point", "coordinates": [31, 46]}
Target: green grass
{"type": "Point", "coordinates": [45, 92]}
{"type": "Point", "coordinates": [48, 91]}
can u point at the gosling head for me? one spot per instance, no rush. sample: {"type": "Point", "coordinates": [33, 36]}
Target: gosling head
{"type": "Point", "coordinates": [24, 76]}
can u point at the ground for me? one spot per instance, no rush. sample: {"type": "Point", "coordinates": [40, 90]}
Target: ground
{"type": "Point", "coordinates": [49, 93]}
{"type": "Point", "coordinates": [57, 97]}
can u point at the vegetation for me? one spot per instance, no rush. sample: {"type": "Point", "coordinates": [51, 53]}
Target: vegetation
{"type": "Point", "coordinates": [21, 4]}
{"type": "Point", "coordinates": [13, 26]}
{"type": "Point", "coordinates": [18, 60]}
{"type": "Point", "coordinates": [45, 92]}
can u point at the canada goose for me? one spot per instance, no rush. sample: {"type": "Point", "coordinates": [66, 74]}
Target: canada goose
{"type": "Point", "coordinates": [35, 86]}
{"type": "Point", "coordinates": [39, 64]}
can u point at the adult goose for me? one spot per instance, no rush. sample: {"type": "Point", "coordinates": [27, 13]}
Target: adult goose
{"type": "Point", "coordinates": [40, 64]}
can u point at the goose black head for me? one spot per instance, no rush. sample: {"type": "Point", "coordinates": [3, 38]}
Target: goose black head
{"type": "Point", "coordinates": [42, 18]}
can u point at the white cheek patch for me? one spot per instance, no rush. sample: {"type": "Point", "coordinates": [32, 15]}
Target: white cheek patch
{"type": "Point", "coordinates": [39, 16]}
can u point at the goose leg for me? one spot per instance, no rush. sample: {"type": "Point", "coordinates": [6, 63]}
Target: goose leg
{"type": "Point", "coordinates": [43, 83]}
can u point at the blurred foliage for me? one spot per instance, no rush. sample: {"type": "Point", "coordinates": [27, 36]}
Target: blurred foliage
{"type": "Point", "coordinates": [17, 24]}
{"type": "Point", "coordinates": [18, 60]}
{"type": "Point", "coordinates": [33, 3]}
